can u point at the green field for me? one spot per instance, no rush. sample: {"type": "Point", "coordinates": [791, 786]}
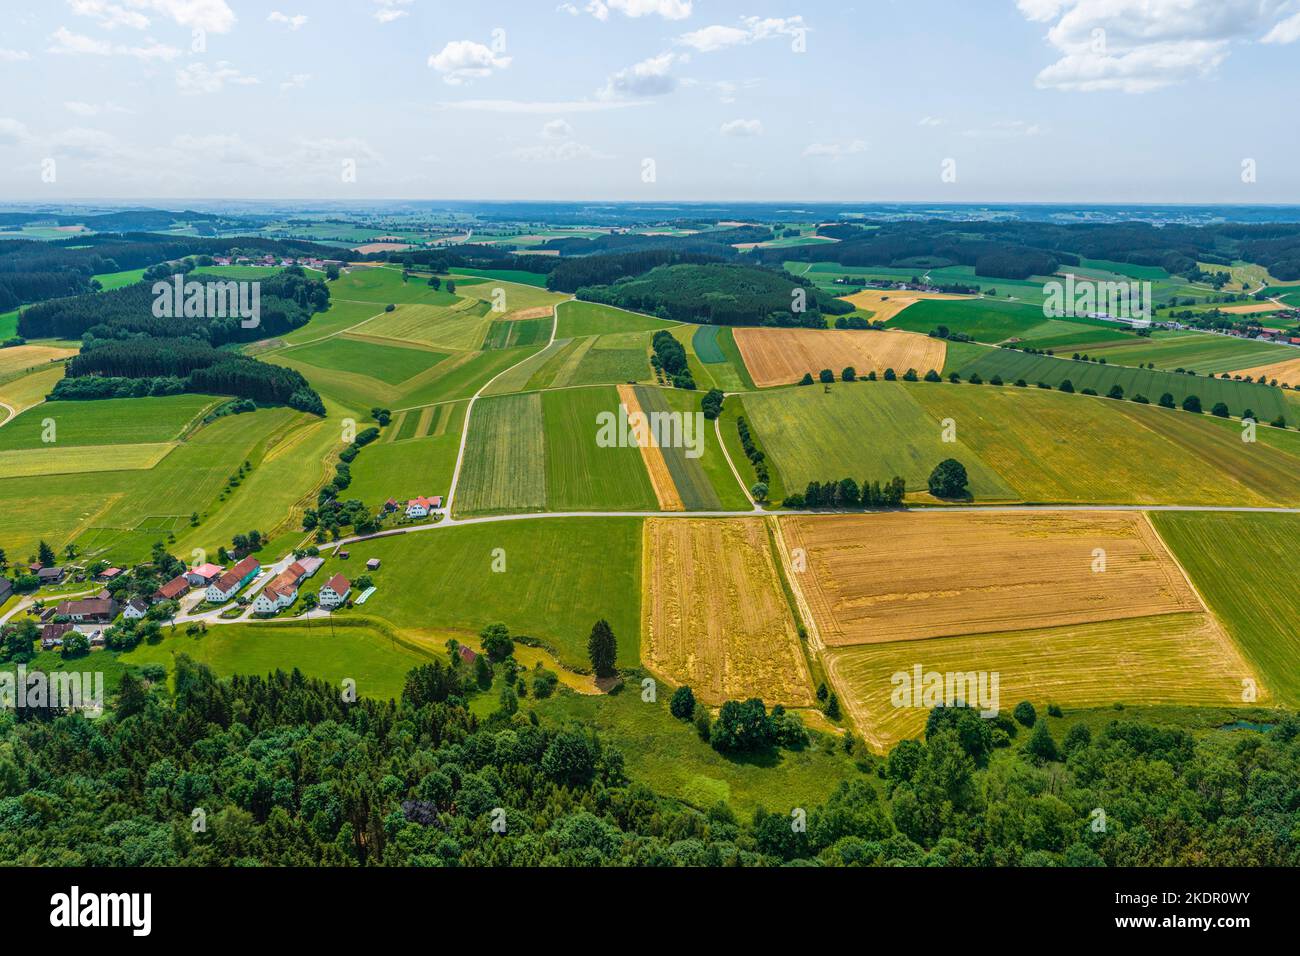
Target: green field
{"type": "Point", "coordinates": [106, 422]}
{"type": "Point", "coordinates": [383, 286]}
{"type": "Point", "coordinates": [118, 280]}
{"type": "Point", "coordinates": [511, 333]}
{"type": "Point", "coordinates": [1266, 402]}
{"type": "Point", "coordinates": [391, 364]}
{"type": "Point", "coordinates": [505, 457]}
{"type": "Point", "coordinates": [1052, 447]}
{"type": "Point", "coordinates": [1245, 566]}
{"type": "Point", "coordinates": [864, 431]}
{"type": "Point", "coordinates": [705, 483]}
{"type": "Point", "coordinates": [983, 320]}
{"type": "Point", "coordinates": [1201, 352]}
{"type": "Point", "coordinates": [560, 576]}
{"type": "Point", "coordinates": [8, 324]}
{"type": "Point", "coordinates": [580, 319]}
{"type": "Point", "coordinates": [459, 326]}
{"type": "Point", "coordinates": [375, 661]}
{"type": "Point", "coordinates": [536, 279]}
{"type": "Point", "coordinates": [413, 464]}
{"type": "Point", "coordinates": [581, 475]}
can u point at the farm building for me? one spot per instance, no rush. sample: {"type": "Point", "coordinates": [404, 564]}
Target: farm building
{"type": "Point", "coordinates": [335, 591]}
{"type": "Point", "coordinates": [92, 611]}
{"type": "Point", "coordinates": [228, 585]}
{"type": "Point", "coordinates": [281, 591]}
{"type": "Point", "coordinates": [135, 609]}
{"type": "Point", "coordinates": [109, 574]}
{"type": "Point", "coordinates": [422, 507]}
{"type": "Point", "coordinates": [310, 565]}
{"type": "Point", "coordinates": [467, 654]}
{"type": "Point", "coordinates": [50, 575]}
{"type": "Point", "coordinates": [173, 589]}
{"type": "Point", "coordinates": [372, 564]}
{"type": "Point", "coordinates": [52, 635]}
{"type": "Point", "coordinates": [204, 574]}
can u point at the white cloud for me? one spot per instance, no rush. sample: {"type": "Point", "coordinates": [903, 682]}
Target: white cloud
{"type": "Point", "coordinates": [1288, 31]}
{"type": "Point", "coordinates": [295, 82]}
{"type": "Point", "coordinates": [557, 129]}
{"type": "Point", "coordinates": [836, 150]}
{"type": "Point", "coordinates": [742, 127]}
{"type": "Point", "coordinates": [536, 106]}
{"type": "Point", "coordinates": [390, 10]}
{"type": "Point", "coordinates": [1006, 129]}
{"type": "Point", "coordinates": [13, 56]}
{"type": "Point", "coordinates": [713, 38]}
{"type": "Point", "coordinates": [1136, 46]}
{"type": "Point", "coordinates": [564, 152]}
{"type": "Point", "coordinates": [292, 22]}
{"type": "Point", "coordinates": [64, 41]}
{"type": "Point", "coordinates": [109, 15]}
{"type": "Point", "coordinates": [200, 78]}
{"type": "Point", "coordinates": [463, 60]}
{"type": "Point", "coordinates": [930, 121]}
{"type": "Point", "coordinates": [93, 109]}
{"type": "Point", "coordinates": [12, 132]}
{"type": "Point", "coordinates": [668, 9]}
{"type": "Point", "coordinates": [652, 77]}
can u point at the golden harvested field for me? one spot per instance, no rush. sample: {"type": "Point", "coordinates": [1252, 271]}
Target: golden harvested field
{"type": "Point", "coordinates": [28, 390]}
{"type": "Point", "coordinates": [884, 305]}
{"type": "Point", "coordinates": [1288, 372]}
{"type": "Point", "coordinates": [783, 356]}
{"type": "Point", "coordinates": [872, 579]}
{"type": "Point", "coordinates": [56, 460]}
{"type": "Point", "coordinates": [1251, 308]}
{"type": "Point", "coordinates": [23, 357]}
{"type": "Point", "coordinates": [1170, 659]}
{"type": "Point", "coordinates": [655, 464]}
{"type": "Point", "coordinates": [715, 616]}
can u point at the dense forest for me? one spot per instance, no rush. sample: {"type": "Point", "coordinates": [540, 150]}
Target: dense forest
{"type": "Point", "coordinates": [280, 770]}
{"type": "Point", "coordinates": [137, 367]}
{"type": "Point", "coordinates": [1016, 250]}
{"type": "Point", "coordinates": [721, 294]}
{"type": "Point", "coordinates": [287, 301]}
{"type": "Point", "coordinates": [33, 270]}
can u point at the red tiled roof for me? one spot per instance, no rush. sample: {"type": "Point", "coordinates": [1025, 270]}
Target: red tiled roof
{"type": "Point", "coordinates": [174, 588]}
{"type": "Point", "coordinates": [237, 574]}
{"type": "Point", "coordinates": [339, 584]}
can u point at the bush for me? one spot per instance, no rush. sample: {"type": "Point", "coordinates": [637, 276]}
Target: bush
{"type": "Point", "coordinates": [1192, 404]}
{"type": "Point", "coordinates": [1220, 410]}
{"type": "Point", "coordinates": [1025, 714]}
{"type": "Point", "coordinates": [826, 376]}
{"type": "Point", "coordinates": [682, 704]}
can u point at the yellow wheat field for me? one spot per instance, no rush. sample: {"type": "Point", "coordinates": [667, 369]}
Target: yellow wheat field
{"type": "Point", "coordinates": [1170, 659]}
{"type": "Point", "coordinates": [885, 304]}
{"type": "Point", "coordinates": [1288, 372]}
{"type": "Point", "coordinates": [655, 464]}
{"type": "Point", "coordinates": [715, 617]}
{"type": "Point", "coordinates": [897, 577]}
{"type": "Point", "coordinates": [782, 356]}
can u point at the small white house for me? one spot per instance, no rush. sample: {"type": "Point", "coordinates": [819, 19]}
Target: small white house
{"type": "Point", "coordinates": [335, 591]}
{"type": "Point", "coordinates": [422, 507]}
{"type": "Point", "coordinates": [135, 609]}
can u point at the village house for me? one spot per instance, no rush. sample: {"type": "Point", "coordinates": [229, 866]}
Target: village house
{"type": "Point", "coordinates": [92, 611]}
{"type": "Point", "coordinates": [173, 589]}
{"type": "Point", "coordinates": [421, 507]}
{"type": "Point", "coordinates": [135, 609]}
{"type": "Point", "coordinates": [281, 591]}
{"type": "Point", "coordinates": [109, 574]}
{"type": "Point", "coordinates": [467, 654]}
{"type": "Point", "coordinates": [52, 635]}
{"type": "Point", "coordinates": [335, 591]}
{"type": "Point", "coordinates": [204, 574]}
{"type": "Point", "coordinates": [51, 575]}
{"type": "Point", "coordinates": [230, 583]}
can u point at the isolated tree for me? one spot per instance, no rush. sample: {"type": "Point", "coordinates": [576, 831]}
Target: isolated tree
{"type": "Point", "coordinates": [949, 479]}
{"type": "Point", "coordinates": [807, 379]}
{"type": "Point", "coordinates": [1192, 403]}
{"type": "Point", "coordinates": [496, 642]}
{"type": "Point", "coordinates": [826, 375]}
{"type": "Point", "coordinates": [759, 491]}
{"type": "Point", "coordinates": [1025, 713]}
{"type": "Point", "coordinates": [602, 648]}
{"type": "Point", "coordinates": [1066, 385]}
{"type": "Point", "coordinates": [890, 376]}
{"type": "Point", "coordinates": [1220, 410]}
{"type": "Point", "coordinates": [849, 374]}
{"type": "Point", "coordinates": [45, 554]}
{"type": "Point", "coordinates": [833, 706]}
{"type": "Point", "coordinates": [682, 704]}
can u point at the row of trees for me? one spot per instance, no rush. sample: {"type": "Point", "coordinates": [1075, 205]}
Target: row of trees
{"type": "Point", "coordinates": [849, 495]}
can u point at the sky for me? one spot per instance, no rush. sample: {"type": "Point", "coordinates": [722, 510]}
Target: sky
{"type": "Point", "coordinates": [1089, 101]}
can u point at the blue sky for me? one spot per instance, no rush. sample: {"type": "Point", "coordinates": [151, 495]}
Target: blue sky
{"type": "Point", "coordinates": [1035, 100]}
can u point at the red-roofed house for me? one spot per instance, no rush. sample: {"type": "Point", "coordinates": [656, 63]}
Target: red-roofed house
{"type": "Point", "coordinates": [173, 589]}
{"type": "Point", "coordinates": [335, 591]}
{"type": "Point", "coordinates": [281, 591]}
{"type": "Point", "coordinates": [228, 585]}
{"type": "Point", "coordinates": [421, 507]}
{"type": "Point", "coordinates": [204, 574]}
